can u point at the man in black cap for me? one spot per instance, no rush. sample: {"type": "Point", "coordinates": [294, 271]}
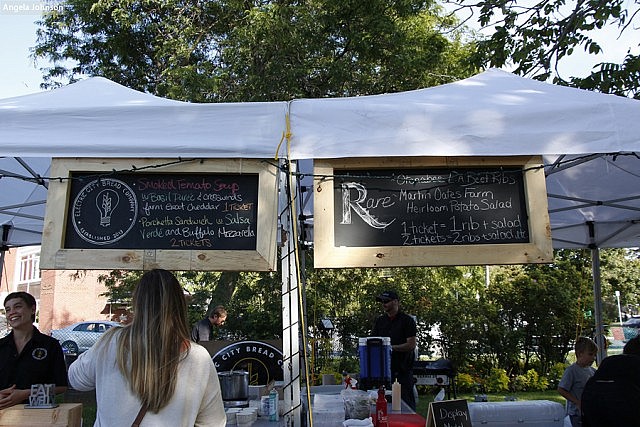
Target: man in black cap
{"type": "Point", "coordinates": [401, 328]}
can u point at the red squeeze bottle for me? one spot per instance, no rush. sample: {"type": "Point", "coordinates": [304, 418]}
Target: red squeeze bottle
{"type": "Point", "coordinates": [381, 409]}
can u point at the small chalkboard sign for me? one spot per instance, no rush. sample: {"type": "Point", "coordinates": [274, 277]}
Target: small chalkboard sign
{"type": "Point", "coordinates": [449, 413]}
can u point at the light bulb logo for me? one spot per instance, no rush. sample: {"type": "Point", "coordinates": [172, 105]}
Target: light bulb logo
{"type": "Point", "coordinates": [109, 196]}
{"type": "Point", "coordinates": [106, 202]}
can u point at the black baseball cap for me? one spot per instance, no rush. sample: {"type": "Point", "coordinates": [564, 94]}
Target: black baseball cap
{"type": "Point", "coordinates": [387, 295]}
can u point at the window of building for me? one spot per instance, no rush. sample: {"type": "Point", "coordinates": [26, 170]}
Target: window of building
{"type": "Point", "coordinates": [28, 270]}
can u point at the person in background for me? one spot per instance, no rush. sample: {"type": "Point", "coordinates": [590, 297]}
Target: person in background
{"type": "Point", "coordinates": [611, 397]}
{"type": "Point", "coordinates": [575, 378]}
{"type": "Point", "coordinates": [150, 369]}
{"type": "Point", "coordinates": [27, 356]}
{"type": "Point", "coordinates": [401, 328]}
{"type": "Point", "coordinates": [203, 330]}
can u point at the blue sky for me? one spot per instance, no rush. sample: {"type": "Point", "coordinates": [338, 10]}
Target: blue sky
{"type": "Point", "coordinates": [19, 75]}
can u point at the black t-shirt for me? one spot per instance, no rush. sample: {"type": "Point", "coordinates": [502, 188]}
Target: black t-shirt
{"type": "Point", "coordinates": [202, 331]}
{"type": "Point", "coordinates": [41, 362]}
{"type": "Point", "coordinates": [611, 396]}
{"type": "Point", "coordinates": [398, 328]}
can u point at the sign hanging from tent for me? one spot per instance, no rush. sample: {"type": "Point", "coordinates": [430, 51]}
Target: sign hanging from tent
{"type": "Point", "coordinates": [430, 211]}
{"type": "Point", "coordinates": [209, 215]}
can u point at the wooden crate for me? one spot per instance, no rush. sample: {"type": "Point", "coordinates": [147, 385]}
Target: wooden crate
{"type": "Point", "coordinates": [65, 415]}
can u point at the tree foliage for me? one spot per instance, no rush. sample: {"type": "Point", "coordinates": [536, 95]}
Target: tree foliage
{"type": "Point", "coordinates": [236, 50]}
{"type": "Point", "coordinates": [535, 36]}
{"type": "Point", "coordinates": [241, 50]}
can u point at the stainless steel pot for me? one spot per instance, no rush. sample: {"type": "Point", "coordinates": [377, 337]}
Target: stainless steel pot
{"type": "Point", "coordinates": [234, 385]}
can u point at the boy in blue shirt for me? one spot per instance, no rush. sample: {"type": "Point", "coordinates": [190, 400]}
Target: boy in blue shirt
{"type": "Point", "coordinates": [575, 377]}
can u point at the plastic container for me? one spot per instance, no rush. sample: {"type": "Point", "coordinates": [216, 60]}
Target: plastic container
{"type": "Point", "coordinates": [396, 396]}
{"type": "Point", "coordinates": [273, 405]}
{"type": "Point", "coordinates": [375, 362]}
{"type": "Point", "coordinates": [539, 413]}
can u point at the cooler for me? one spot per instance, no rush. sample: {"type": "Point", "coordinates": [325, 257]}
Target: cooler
{"type": "Point", "coordinates": [538, 413]}
{"type": "Point", "coordinates": [375, 362]}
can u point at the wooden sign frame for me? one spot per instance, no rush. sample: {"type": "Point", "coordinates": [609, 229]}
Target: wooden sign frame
{"type": "Point", "coordinates": [54, 255]}
{"type": "Point", "coordinates": [539, 249]}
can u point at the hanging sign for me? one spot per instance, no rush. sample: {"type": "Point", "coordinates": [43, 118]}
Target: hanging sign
{"type": "Point", "coordinates": [420, 212]}
{"type": "Point", "coordinates": [209, 215]}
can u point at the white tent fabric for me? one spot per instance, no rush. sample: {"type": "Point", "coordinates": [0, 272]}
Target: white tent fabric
{"type": "Point", "coordinates": [594, 197]}
{"type": "Point", "coordinates": [22, 202]}
{"type": "Point", "coordinates": [99, 118]}
{"type": "Point", "coordinates": [491, 114]}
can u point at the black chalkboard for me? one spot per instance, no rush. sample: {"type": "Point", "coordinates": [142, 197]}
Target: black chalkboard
{"type": "Point", "coordinates": [449, 413]}
{"type": "Point", "coordinates": [429, 207]}
{"type": "Point", "coordinates": [162, 211]}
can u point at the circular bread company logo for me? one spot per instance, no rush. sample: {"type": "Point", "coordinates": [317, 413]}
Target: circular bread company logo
{"type": "Point", "coordinates": [261, 360]}
{"type": "Point", "coordinates": [39, 353]}
{"type": "Point", "coordinates": [104, 211]}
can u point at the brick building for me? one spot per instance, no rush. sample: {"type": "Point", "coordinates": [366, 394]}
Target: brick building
{"type": "Point", "coordinates": [64, 296]}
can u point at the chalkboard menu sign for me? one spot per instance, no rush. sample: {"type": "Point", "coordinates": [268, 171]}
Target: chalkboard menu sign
{"type": "Point", "coordinates": [449, 413]}
{"type": "Point", "coordinates": [426, 207]}
{"type": "Point", "coordinates": [161, 211]}
{"type": "Point", "coordinates": [138, 214]}
{"type": "Point", "coordinates": [430, 211]}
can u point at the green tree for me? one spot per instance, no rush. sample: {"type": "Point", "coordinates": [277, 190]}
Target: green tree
{"type": "Point", "coordinates": [536, 36]}
{"type": "Point", "coordinates": [200, 287]}
{"type": "Point", "coordinates": [545, 303]}
{"type": "Point", "coordinates": [620, 272]}
{"type": "Point", "coordinates": [234, 50]}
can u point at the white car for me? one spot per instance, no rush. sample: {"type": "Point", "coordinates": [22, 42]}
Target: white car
{"type": "Point", "coordinates": [80, 336]}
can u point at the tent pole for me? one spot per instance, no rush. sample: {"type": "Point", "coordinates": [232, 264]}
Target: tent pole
{"type": "Point", "coordinates": [4, 248]}
{"type": "Point", "coordinates": [2, 252]}
{"type": "Point", "coordinates": [597, 296]}
{"type": "Point", "coordinates": [290, 294]}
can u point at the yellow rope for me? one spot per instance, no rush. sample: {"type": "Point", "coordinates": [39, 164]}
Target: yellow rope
{"type": "Point", "coordinates": [286, 134]}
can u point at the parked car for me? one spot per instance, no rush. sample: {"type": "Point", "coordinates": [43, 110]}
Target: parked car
{"type": "Point", "coordinates": [80, 336]}
{"type": "Point", "coordinates": [4, 326]}
{"type": "Point", "coordinates": [633, 322]}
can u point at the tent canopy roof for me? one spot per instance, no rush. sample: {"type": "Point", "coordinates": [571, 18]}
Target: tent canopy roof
{"type": "Point", "coordinates": [593, 197]}
{"type": "Point", "coordinates": [494, 113]}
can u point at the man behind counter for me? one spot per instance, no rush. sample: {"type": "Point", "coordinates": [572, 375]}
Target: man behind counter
{"type": "Point", "coordinates": [401, 328]}
{"type": "Point", "coordinates": [203, 330]}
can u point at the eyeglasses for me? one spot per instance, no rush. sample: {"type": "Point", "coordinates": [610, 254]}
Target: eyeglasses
{"type": "Point", "coordinates": [385, 301]}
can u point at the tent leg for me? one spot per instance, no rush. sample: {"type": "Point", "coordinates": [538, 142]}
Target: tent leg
{"type": "Point", "coordinates": [2, 252]}
{"type": "Point", "coordinates": [600, 338]}
{"type": "Point", "coordinates": [290, 313]}
{"type": "Point", "coordinates": [4, 248]}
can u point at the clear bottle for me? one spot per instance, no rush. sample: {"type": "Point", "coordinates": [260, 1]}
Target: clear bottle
{"type": "Point", "coordinates": [273, 405]}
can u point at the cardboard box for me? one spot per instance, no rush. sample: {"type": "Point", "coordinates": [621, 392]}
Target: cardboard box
{"type": "Point", "coordinates": [65, 415]}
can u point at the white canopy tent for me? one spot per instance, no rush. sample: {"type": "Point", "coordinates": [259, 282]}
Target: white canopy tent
{"type": "Point", "coordinates": [589, 141]}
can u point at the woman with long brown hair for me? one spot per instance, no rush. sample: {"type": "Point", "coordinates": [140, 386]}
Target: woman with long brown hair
{"type": "Point", "coordinates": [150, 369]}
